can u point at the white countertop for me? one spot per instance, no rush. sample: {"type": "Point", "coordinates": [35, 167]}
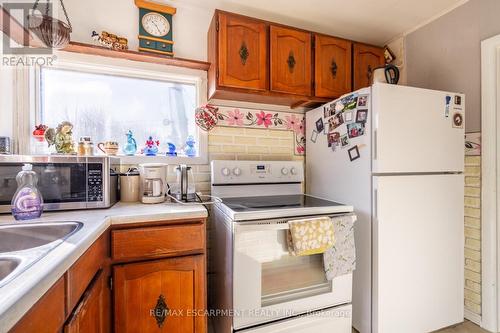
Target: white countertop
{"type": "Point", "coordinates": [20, 294]}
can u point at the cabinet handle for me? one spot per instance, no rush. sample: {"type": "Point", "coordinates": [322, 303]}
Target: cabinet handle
{"type": "Point", "coordinates": [244, 53]}
{"type": "Point", "coordinates": [369, 73]}
{"type": "Point", "coordinates": [291, 62]}
{"type": "Point", "coordinates": [161, 311]}
{"type": "Point", "coordinates": [333, 68]}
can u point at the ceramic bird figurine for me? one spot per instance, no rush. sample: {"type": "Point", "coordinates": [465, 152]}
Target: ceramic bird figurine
{"type": "Point", "coordinates": [110, 41]}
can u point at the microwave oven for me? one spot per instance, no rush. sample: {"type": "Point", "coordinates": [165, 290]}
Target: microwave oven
{"type": "Point", "coordinates": [65, 182]}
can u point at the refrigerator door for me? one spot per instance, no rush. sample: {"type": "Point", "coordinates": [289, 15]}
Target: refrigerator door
{"type": "Point", "coordinates": [417, 130]}
{"type": "Point", "coordinates": [418, 253]}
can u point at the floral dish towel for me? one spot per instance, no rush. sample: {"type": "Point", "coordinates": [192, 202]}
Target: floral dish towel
{"type": "Point", "coordinates": [340, 259]}
{"type": "Point", "coordinates": [310, 236]}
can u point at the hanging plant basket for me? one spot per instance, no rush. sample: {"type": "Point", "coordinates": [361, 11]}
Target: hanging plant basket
{"type": "Point", "coordinates": [52, 32]}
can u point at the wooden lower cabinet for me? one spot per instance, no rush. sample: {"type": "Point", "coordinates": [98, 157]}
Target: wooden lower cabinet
{"type": "Point", "coordinates": [90, 316]}
{"type": "Point", "coordinates": [166, 295]}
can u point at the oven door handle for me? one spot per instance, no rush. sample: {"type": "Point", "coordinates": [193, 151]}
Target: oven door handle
{"type": "Point", "coordinates": [261, 227]}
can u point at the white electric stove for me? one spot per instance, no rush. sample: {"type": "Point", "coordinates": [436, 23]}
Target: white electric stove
{"type": "Point", "coordinates": [257, 286]}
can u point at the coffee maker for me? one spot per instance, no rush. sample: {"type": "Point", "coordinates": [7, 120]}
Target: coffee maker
{"type": "Point", "coordinates": [153, 184]}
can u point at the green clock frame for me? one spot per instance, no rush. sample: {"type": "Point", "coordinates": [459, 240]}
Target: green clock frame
{"type": "Point", "coordinates": [148, 43]}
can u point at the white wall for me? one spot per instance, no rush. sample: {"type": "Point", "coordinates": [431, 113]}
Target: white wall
{"type": "Point", "coordinates": [190, 24]}
{"type": "Point", "coordinates": [6, 107]}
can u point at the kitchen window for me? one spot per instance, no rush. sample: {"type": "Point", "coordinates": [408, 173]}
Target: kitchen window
{"type": "Point", "coordinates": [106, 102]}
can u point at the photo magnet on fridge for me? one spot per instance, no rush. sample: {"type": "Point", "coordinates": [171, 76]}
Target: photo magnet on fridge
{"type": "Point", "coordinates": [344, 141]}
{"type": "Point", "coordinates": [314, 136]}
{"type": "Point", "coordinates": [361, 116]}
{"type": "Point", "coordinates": [335, 122]}
{"type": "Point", "coordinates": [320, 126]}
{"type": "Point", "coordinates": [333, 139]}
{"type": "Point", "coordinates": [353, 153]}
{"type": "Point", "coordinates": [348, 117]}
{"type": "Point", "coordinates": [458, 120]}
{"type": "Point", "coordinates": [355, 129]}
{"type": "Point", "coordinates": [447, 106]}
{"type": "Point", "coordinates": [362, 100]}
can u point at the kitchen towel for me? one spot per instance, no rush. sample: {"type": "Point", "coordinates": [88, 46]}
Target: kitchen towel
{"type": "Point", "coordinates": [340, 259]}
{"type": "Point", "coordinates": [310, 236]}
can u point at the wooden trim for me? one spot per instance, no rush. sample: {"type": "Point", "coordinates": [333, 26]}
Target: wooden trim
{"type": "Point", "coordinates": [89, 49]}
{"type": "Point", "coordinates": [156, 39]}
{"type": "Point", "coordinates": [155, 7]}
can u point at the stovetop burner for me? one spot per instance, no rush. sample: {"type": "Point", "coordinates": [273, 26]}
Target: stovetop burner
{"type": "Point", "coordinates": [244, 204]}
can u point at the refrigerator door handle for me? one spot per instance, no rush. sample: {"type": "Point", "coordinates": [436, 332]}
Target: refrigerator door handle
{"type": "Point", "coordinates": [375, 144]}
{"type": "Point", "coordinates": [375, 203]}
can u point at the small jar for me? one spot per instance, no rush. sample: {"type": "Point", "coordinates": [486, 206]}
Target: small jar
{"type": "Point", "coordinates": [85, 146]}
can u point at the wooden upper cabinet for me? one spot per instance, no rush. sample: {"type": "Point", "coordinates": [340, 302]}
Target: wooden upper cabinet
{"type": "Point", "coordinates": [332, 62]}
{"type": "Point", "coordinates": [290, 61]}
{"type": "Point", "coordinates": [366, 59]}
{"type": "Point", "coordinates": [242, 58]}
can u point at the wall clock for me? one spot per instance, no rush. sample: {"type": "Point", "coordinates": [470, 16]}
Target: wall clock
{"type": "Point", "coordinates": [155, 27]}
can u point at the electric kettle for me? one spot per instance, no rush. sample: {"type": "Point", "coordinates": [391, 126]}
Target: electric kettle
{"type": "Point", "coordinates": [386, 74]}
{"type": "Point", "coordinates": [184, 189]}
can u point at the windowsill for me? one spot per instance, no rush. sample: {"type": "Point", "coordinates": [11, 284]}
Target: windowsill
{"type": "Point", "coordinates": [138, 159]}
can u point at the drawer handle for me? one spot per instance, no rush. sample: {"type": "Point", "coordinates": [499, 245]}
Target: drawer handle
{"type": "Point", "coordinates": [161, 311]}
{"type": "Point", "coordinates": [291, 62]}
{"type": "Point", "coordinates": [244, 53]}
{"type": "Point", "coordinates": [334, 68]}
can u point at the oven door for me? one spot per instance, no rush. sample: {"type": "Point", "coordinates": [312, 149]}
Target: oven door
{"type": "Point", "coordinates": [269, 284]}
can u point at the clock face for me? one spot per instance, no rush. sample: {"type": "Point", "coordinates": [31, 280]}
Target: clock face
{"type": "Point", "coordinates": [155, 24]}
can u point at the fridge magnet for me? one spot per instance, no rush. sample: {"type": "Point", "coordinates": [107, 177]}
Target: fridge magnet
{"type": "Point", "coordinates": [344, 141]}
{"type": "Point", "coordinates": [326, 111]}
{"type": "Point", "coordinates": [339, 107]}
{"type": "Point", "coordinates": [348, 117]}
{"type": "Point", "coordinates": [320, 126]}
{"type": "Point", "coordinates": [355, 129]}
{"type": "Point", "coordinates": [362, 100]}
{"type": "Point", "coordinates": [335, 122]}
{"type": "Point", "coordinates": [447, 106]}
{"type": "Point", "coordinates": [473, 144]}
{"type": "Point", "coordinates": [353, 153]}
{"type": "Point", "coordinates": [314, 136]}
{"type": "Point", "coordinates": [333, 139]}
{"type": "Point", "coordinates": [361, 116]}
{"type": "Point", "coordinates": [458, 100]}
{"type": "Point", "coordinates": [458, 120]}
{"type": "Point", "coordinates": [349, 102]}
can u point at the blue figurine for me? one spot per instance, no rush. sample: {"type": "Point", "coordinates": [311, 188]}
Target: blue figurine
{"type": "Point", "coordinates": [190, 148]}
{"type": "Point", "coordinates": [131, 147]}
{"type": "Point", "coordinates": [171, 149]}
{"type": "Point", "coordinates": [151, 148]}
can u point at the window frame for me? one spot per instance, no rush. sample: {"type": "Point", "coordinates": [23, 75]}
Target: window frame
{"type": "Point", "coordinates": [126, 68]}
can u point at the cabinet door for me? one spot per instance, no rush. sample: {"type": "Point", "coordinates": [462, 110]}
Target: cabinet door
{"type": "Point", "coordinates": [89, 315]}
{"type": "Point", "coordinates": [290, 61]}
{"type": "Point", "coordinates": [242, 52]}
{"type": "Point", "coordinates": [160, 296]}
{"type": "Point", "coordinates": [366, 59]}
{"type": "Point", "coordinates": [332, 62]}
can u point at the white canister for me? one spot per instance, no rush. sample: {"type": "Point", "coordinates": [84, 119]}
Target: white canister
{"type": "Point", "coordinates": [129, 185]}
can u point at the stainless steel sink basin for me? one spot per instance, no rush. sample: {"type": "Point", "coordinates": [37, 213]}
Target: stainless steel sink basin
{"type": "Point", "coordinates": [19, 237]}
{"type": "Point", "coordinates": [7, 266]}
{"type": "Point", "coordinates": [23, 244]}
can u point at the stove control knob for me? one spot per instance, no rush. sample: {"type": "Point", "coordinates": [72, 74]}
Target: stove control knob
{"type": "Point", "coordinates": [225, 172]}
{"type": "Point", "coordinates": [236, 171]}
{"type": "Point", "coordinates": [293, 171]}
{"type": "Point", "coordinates": [284, 171]}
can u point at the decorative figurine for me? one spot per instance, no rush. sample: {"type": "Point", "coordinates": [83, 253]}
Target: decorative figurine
{"type": "Point", "coordinates": [110, 41]}
{"type": "Point", "coordinates": [61, 138]}
{"type": "Point", "coordinates": [171, 149]}
{"type": "Point", "coordinates": [39, 132]}
{"type": "Point", "coordinates": [131, 147]}
{"type": "Point", "coordinates": [190, 148]}
{"type": "Point", "coordinates": [151, 148]}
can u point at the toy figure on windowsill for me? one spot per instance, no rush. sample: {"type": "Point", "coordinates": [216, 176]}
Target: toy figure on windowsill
{"type": "Point", "coordinates": [131, 147]}
{"type": "Point", "coordinates": [151, 148]}
{"type": "Point", "coordinates": [61, 138]}
{"type": "Point", "coordinates": [190, 148]}
{"type": "Point", "coordinates": [171, 149]}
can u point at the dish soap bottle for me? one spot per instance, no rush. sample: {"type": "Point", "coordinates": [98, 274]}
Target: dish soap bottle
{"type": "Point", "coordinates": [27, 202]}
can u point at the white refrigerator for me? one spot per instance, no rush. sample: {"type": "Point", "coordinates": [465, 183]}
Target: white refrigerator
{"type": "Point", "coordinates": [396, 153]}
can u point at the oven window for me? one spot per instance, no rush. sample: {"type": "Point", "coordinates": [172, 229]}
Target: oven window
{"type": "Point", "coordinates": [291, 278]}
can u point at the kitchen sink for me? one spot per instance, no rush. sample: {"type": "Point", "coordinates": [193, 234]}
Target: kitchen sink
{"type": "Point", "coordinates": [19, 237]}
{"type": "Point", "coordinates": [7, 266]}
{"type": "Point", "coordinates": [23, 244]}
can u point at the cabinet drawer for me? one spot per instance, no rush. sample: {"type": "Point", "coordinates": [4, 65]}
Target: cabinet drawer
{"type": "Point", "coordinates": [155, 242]}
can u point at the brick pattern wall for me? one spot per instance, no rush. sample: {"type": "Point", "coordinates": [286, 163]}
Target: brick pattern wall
{"type": "Point", "coordinates": [472, 202]}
